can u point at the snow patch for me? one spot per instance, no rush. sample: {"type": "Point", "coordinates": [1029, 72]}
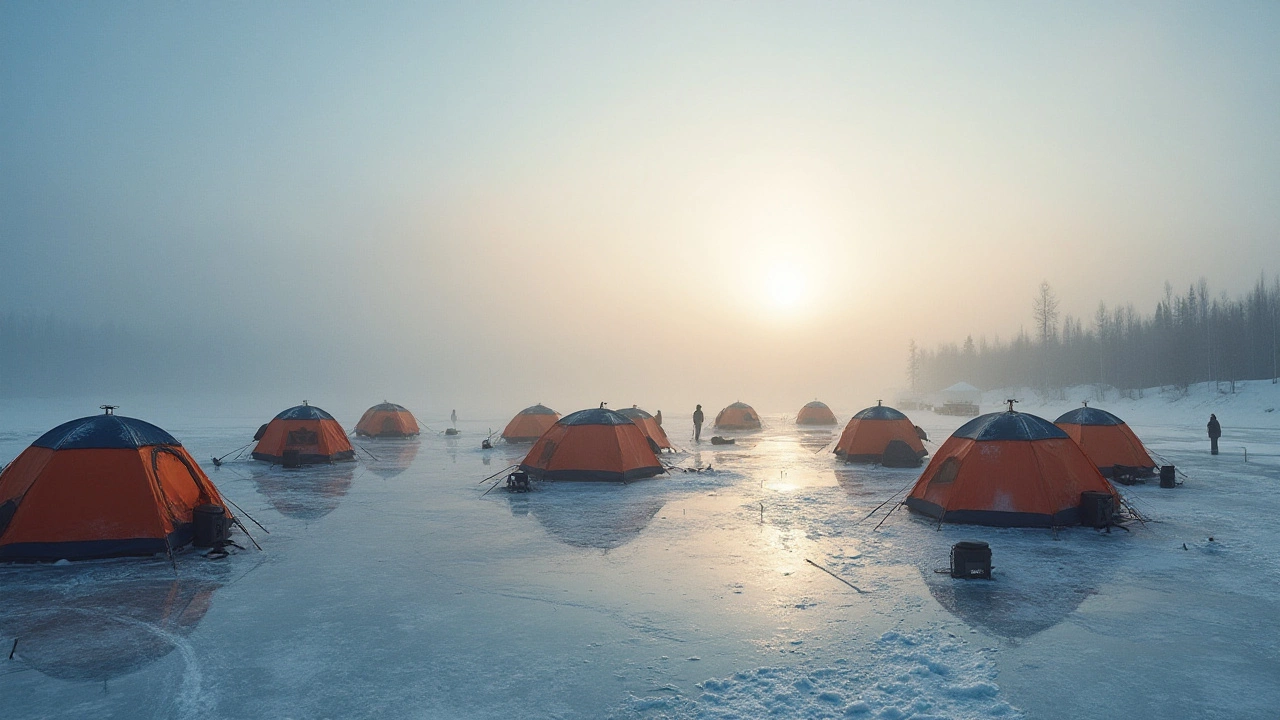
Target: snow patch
{"type": "Point", "coordinates": [918, 675]}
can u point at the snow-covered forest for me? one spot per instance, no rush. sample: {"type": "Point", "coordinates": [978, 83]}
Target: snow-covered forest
{"type": "Point", "coordinates": [1190, 337]}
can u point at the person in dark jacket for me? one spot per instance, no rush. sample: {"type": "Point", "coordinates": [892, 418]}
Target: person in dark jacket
{"type": "Point", "coordinates": [1215, 432]}
{"type": "Point", "coordinates": [697, 424]}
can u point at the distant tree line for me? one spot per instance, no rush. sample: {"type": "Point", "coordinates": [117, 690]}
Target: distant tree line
{"type": "Point", "coordinates": [1189, 338]}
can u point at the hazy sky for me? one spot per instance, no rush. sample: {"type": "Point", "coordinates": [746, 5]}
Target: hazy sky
{"type": "Point", "coordinates": [662, 203]}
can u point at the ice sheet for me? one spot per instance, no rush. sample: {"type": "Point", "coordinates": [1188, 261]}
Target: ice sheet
{"type": "Point", "coordinates": [392, 588]}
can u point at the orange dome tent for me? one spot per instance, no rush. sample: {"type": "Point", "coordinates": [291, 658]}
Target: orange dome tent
{"type": "Point", "coordinates": [870, 433]}
{"type": "Point", "coordinates": [529, 424]}
{"type": "Point", "coordinates": [648, 425]}
{"type": "Point", "coordinates": [1106, 440]}
{"type": "Point", "coordinates": [387, 420]}
{"type": "Point", "coordinates": [101, 486]}
{"type": "Point", "coordinates": [595, 444]}
{"type": "Point", "coordinates": [815, 413]}
{"type": "Point", "coordinates": [738, 416]}
{"type": "Point", "coordinates": [1007, 469]}
{"type": "Point", "coordinates": [307, 434]}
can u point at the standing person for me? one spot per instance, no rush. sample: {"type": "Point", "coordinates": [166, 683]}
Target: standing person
{"type": "Point", "coordinates": [1215, 432]}
{"type": "Point", "coordinates": [453, 418]}
{"type": "Point", "coordinates": [697, 424]}
{"type": "Point", "coordinates": [658, 418]}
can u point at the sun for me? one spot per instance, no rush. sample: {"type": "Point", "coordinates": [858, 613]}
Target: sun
{"type": "Point", "coordinates": [785, 287]}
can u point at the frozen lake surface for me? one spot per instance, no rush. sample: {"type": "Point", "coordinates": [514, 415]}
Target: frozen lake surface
{"type": "Point", "coordinates": [392, 588]}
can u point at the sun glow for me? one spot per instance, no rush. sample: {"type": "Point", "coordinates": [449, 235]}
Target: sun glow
{"type": "Point", "coordinates": [785, 287]}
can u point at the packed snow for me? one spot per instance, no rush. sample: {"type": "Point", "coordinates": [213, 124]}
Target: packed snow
{"type": "Point", "coordinates": [395, 587]}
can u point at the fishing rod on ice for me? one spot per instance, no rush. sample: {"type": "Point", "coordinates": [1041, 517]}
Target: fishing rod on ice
{"type": "Point", "coordinates": [891, 511]}
{"type": "Point", "coordinates": [1165, 461]}
{"type": "Point", "coordinates": [886, 502]}
{"type": "Point", "coordinates": [495, 484]}
{"type": "Point", "coordinates": [506, 469]}
{"type": "Point", "coordinates": [833, 440]}
{"type": "Point", "coordinates": [681, 468]}
{"type": "Point", "coordinates": [217, 461]}
{"type": "Point", "coordinates": [245, 530]}
{"type": "Point", "coordinates": [242, 512]}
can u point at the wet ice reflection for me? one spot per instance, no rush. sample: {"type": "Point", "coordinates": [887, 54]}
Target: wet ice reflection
{"type": "Point", "coordinates": [93, 624]}
{"type": "Point", "coordinates": [307, 493]}
{"type": "Point", "coordinates": [589, 515]}
{"type": "Point", "coordinates": [420, 598]}
{"type": "Point", "coordinates": [1007, 609]}
{"type": "Point", "coordinates": [392, 456]}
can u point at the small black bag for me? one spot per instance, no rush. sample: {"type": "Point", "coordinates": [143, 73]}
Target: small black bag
{"type": "Point", "coordinates": [971, 560]}
{"type": "Point", "coordinates": [212, 527]}
{"type": "Point", "coordinates": [1097, 509]}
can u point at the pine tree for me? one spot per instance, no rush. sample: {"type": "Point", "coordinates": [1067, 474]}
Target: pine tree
{"type": "Point", "coordinates": [1045, 312]}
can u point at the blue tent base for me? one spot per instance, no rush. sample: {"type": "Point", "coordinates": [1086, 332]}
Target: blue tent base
{"type": "Point", "coordinates": [875, 458]}
{"type": "Point", "coordinates": [97, 549]}
{"type": "Point", "coordinates": [309, 459]}
{"type": "Point", "coordinates": [591, 475]}
{"type": "Point", "coordinates": [995, 518]}
{"type": "Point", "coordinates": [386, 435]}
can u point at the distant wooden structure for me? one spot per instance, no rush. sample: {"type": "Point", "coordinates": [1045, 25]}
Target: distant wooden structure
{"type": "Point", "coordinates": [960, 399]}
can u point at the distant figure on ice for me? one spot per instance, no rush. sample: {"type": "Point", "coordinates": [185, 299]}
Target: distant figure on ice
{"type": "Point", "coordinates": [697, 424]}
{"type": "Point", "coordinates": [453, 418]}
{"type": "Point", "coordinates": [657, 417]}
{"type": "Point", "coordinates": [1215, 432]}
